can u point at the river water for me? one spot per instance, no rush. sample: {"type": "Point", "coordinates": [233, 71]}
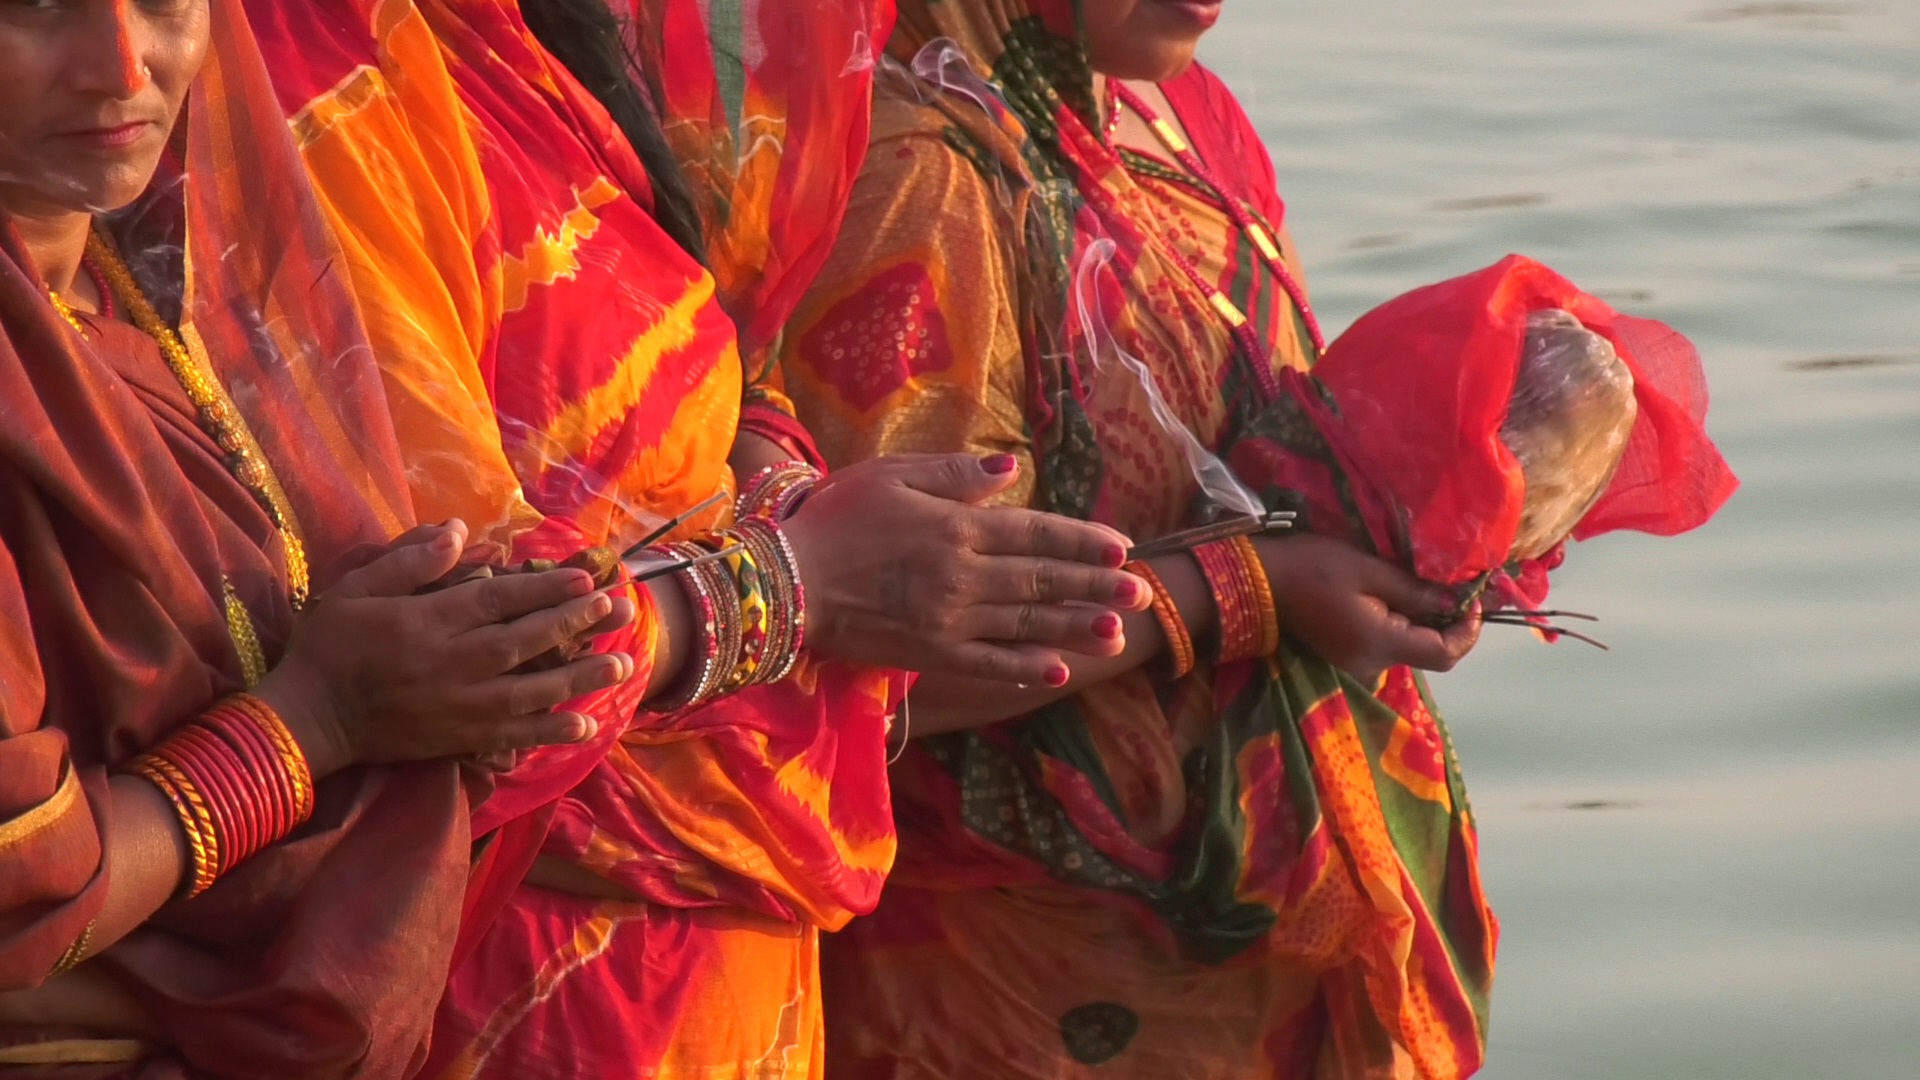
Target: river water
{"type": "Point", "coordinates": [1705, 844]}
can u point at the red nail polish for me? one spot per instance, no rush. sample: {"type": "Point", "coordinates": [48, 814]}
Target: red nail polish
{"type": "Point", "coordinates": [1107, 626]}
{"type": "Point", "coordinates": [1058, 676]}
{"type": "Point", "coordinates": [1128, 593]}
{"type": "Point", "coordinates": [1114, 556]}
{"type": "Point", "coordinates": [999, 464]}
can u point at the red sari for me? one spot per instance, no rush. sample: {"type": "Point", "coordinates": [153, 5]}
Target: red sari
{"type": "Point", "coordinates": [497, 229]}
{"type": "Point", "coordinates": [120, 530]}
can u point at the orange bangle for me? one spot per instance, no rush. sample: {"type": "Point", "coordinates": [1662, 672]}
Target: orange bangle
{"type": "Point", "coordinates": [1243, 621]}
{"type": "Point", "coordinates": [1262, 595]}
{"type": "Point", "coordinates": [195, 821]}
{"type": "Point", "coordinates": [1179, 638]}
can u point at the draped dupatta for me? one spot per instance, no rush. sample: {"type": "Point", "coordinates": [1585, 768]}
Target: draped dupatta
{"type": "Point", "coordinates": [122, 531]}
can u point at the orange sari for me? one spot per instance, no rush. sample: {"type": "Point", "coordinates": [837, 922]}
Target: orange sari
{"type": "Point", "coordinates": [526, 308]}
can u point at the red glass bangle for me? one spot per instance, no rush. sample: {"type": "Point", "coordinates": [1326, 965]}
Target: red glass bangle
{"type": "Point", "coordinates": [237, 813]}
{"type": "Point", "coordinates": [295, 774]}
{"type": "Point", "coordinates": [264, 765]}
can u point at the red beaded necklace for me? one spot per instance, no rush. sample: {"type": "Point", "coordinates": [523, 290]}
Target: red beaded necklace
{"type": "Point", "coordinates": [1257, 233]}
{"type": "Point", "coordinates": [100, 285]}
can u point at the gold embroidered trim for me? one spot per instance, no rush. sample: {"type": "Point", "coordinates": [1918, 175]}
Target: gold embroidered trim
{"type": "Point", "coordinates": [74, 1052]}
{"type": "Point", "coordinates": [75, 952]}
{"type": "Point", "coordinates": [52, 809]}
{"type": "Point", "coordinates": [246, 639]}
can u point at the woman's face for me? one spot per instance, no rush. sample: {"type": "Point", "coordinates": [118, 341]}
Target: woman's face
{"type": "Point", "coordinates": [1145, 40]}
{"type": "Point", "coordinates": [89, 92]}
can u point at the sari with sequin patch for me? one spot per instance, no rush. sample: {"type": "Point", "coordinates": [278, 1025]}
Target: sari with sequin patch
{"type": "Point", "coordinates": [1263, 869]}
{"type": "Point", "coordinates": [498, 231]}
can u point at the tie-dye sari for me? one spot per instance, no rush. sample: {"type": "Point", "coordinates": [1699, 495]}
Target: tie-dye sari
{"type": "Point", "coordinates": [498, 230]}
{"type": "Point", "coordinates": [1264, 869]}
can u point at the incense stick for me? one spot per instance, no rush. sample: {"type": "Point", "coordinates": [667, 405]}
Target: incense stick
{"type": "Point", "coordinates": [1188, 539]}
{"type": "Point", "coordinates": [674, 522]}
{"type": "Point", "coordinates": [1496, 620]}
{"type": "Point", "coordinates": [684, 564]}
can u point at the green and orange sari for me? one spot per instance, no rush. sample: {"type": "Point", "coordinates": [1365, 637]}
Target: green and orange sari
{"type": "Point", "coordinates": [527, 309]}
{"type": "Point", "coordinates": [1264, 869]}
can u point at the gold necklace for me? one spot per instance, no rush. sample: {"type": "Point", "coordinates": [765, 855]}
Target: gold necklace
{"type": "Point", "coordinates": [222, 422]}
{"type": "Point", "coordinates": [66, 312]}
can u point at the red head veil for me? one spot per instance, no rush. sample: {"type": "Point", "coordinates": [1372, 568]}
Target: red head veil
{"type": "Point", "coordinates": [1411, 400]}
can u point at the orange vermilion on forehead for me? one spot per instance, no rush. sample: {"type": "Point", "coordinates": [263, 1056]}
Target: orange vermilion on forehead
{"type": "Point", "coordinates": [130, 67]}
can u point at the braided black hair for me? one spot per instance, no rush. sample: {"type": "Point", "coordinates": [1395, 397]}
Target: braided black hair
{"type": "Point", "coordinates": [585, 36]}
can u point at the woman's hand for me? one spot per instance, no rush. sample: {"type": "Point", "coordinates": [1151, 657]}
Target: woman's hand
{"type": "Point", "coordinates": [903, 569]}
{"type": "Point", "coordinates": [1358, 612]}
{"type": "Point", "coordinates": [374, 673]}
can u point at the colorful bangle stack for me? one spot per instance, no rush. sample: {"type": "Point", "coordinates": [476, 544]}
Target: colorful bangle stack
{"type": "Point", "coordinates": [786, 605]}
{"type": "Point", "coordinates": [1179, 638]}
{"type": "Point", "coordinates": [1249, 623]}
{"type": "Point", "coordinates": [776, 491]}
{"type": "Point", "coordinates": [237, 781]}
{"type": "Point", "coordinates": [751, 607]}
{"type": "Point", "coordinates": [704, 683]}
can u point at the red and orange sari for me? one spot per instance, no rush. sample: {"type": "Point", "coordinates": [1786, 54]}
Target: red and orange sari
{"type": "Point", "coordinates": [1261, 870]}
{"type": "Point", "coordinates": [121, 532]}
{"type": "Point", "coordinates": [526, 308]}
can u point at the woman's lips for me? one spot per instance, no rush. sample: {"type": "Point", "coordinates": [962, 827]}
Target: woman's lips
{"type": "Point", "coordinates": [111, 138]}
{"type": "Point", "coordinates": [1201, 13]}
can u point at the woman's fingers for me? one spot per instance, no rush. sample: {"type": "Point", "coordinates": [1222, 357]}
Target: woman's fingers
{"type": "Point", "coordinates": [429, 553]}
{"type": "Point", "coordinates": [501, 647]}
{"type": "Point", "coordinates": [505, 598]}
{"type": "Point", "coordinates": [1020, 665]}
{"type": "Point", "coordinates": [1012, 531]}
{"type": "Point", "coordinates": [498, 760]}
{"type": "Point", "coordinates": [503, 737]}
{"type": "Point", "coordinates": [957, 477]}
{"type": "Point", "coordinates": [1088, 631]}
{"type": "Point", "coordinates": [1015, 580]}
{"type": "Point", "coordinates": [533, 694]}
{"type": "Point", "coordinates": [1462, 636]}
{"type": "Point", "coordinates": [622, 614]}
{"type": "Point", "coordinates": [1431, 649]}
{"type": "Point", "coordinates": [1405, 593]}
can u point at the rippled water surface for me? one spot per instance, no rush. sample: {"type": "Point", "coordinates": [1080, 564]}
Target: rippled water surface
{"type": "Point", "coordinates": [1704, 845]}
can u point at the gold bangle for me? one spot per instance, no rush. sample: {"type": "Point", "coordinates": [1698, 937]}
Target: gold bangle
{"type": "Point", "coordinates": [1179, 639]}
{"type": "Point", "coordinates": [193, 819]}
